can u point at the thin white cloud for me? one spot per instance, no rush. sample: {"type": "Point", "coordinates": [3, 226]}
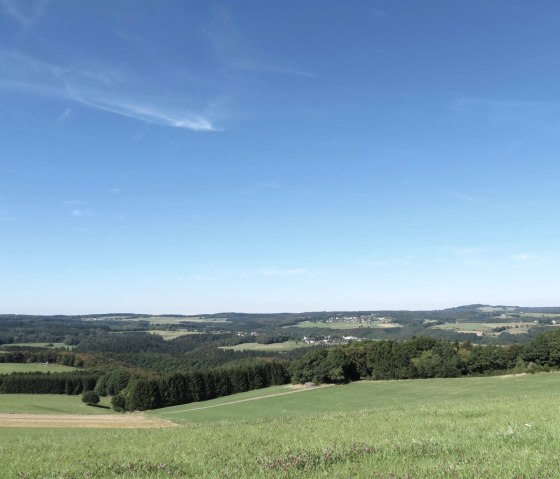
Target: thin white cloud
{"type": "Point", "coordinates": [148, 114]}
{"type": "Point", "coordinates": [263, 185]}
{"type": "Point", "coordinates": [381, 263]}
{"type": "Point", "coordinates": [525, 257]}
{"type": "Point", "coordinates": [100, 90]}
{"type": "Point", "coordinates": [64, 115]}
{"type": "Point", "coordinates": [465, 251]}
{"type": "Point", "coordinates": [461, 196]}
{"type": "Point", "coordinates": [116, 190]}
{"type": "Point", "coordinates": [26, 13]}
{"type": "Point", "coordinates": [257, 67]}
{"type": "Point", "coordinates": [467, 103]}
{"type": "Point", "coordinates": [283, 272]}
{"type": "Point", "coordinates": [377, 13]}
{"type": "Point", "coordinates": [77, 212]}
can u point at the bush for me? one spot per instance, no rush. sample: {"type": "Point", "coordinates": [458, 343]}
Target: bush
{"type": "Point", "coordinates": [90, 398]}
{"type": "Point", "coordinates": [118, 403]}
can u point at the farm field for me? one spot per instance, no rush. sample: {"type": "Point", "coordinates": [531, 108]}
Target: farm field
{"type": "Point", "coordinates": [284, 346]}
{"type": "Point", "coordinates": [160, 320]}
{"type": "Point", "coordinates": [7, 368]}
{"type": "Point", "coordinates": [359, 396]}
{"type": "Point", "coordinates": [168, 335]}
{"type": "Point", "coordinates": [480, 328]}
{"type": "Point", "coordinates": [50, 404]}
{"type": "Point", "coordinates": [492, 427]}
{"type": "Point", "coordinates": [344, 325]}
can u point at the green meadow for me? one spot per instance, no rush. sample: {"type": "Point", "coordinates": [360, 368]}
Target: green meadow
{"type": "Point", "coordinates": [491, 427]}
{"type": "Point", "coordinates": [7, 368]}
{"type": "Point", "coordinates": [50, 404]}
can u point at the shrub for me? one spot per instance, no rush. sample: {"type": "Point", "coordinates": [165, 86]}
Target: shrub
{"type": "Point", "coordinates": [90, 398]}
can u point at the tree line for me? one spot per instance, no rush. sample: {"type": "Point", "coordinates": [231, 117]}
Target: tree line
{"type": "Point", "coordinates": [183, 388]}
{"type": "Point", "coordinates": [423, 358]}
{"type": "Point", "coordinates": [47, 383]}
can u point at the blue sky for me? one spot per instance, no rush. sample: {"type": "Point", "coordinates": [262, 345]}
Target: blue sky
{"type": "Point", "coordinates": [189, 157]}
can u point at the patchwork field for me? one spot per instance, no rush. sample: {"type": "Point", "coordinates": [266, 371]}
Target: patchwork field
{"type": "Point", "coordinates": [159, 320]}
{"type": "Point", "coordinates": [520, 327]}
{"type": "Point", "coordinates": [7, 368]}
{"type": "Point", "coordinates": [492, 427]}
{"type": "Point", "coordinates": [285, 346]}
{"type": "Point", "coordinates": [344, 325]}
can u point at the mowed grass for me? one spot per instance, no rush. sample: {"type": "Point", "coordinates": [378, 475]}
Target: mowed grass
{"type": "Point", "coordinates": [344, 325]}
{"type": "Point", "coordinates": [284, 346]}
{"type": "Point", "coordinates": [357, 396]}
{"type": "Point", "coordinates": [7, 368]}
{"type": "Point", "coordinates": [49, 404]}
{"type": "Point", "coordinates": [495, 427]}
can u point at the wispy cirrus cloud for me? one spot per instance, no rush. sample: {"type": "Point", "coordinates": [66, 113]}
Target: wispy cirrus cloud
{"type": "Point", "coordinates": [283, 272]}
{"type": "Point", "coordinates": [26, 13]}
{"type": "Point", "coordinates": [104, 90]}
{"type": "Point", "coordinates": [461, 196]}
{"type": "Point", "coordinates": [465, 104]}
{"type": "Point", "coordinates": [402, 261]}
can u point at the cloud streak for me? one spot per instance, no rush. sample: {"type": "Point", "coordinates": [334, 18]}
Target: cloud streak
{"type": "Point", "coordinates": [99, 90]}
{"type": "Point", "coordinates": [26, 17]}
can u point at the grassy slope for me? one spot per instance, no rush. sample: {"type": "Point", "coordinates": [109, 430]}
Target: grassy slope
{"type": "Point", "coordinates": [464, 428]}
{"type": "Point", "coordinates": [7, 368]}
{"type": "Point", "coordinates": [49, 404]}
{"type": "Point", "coordinates": [364, 395]}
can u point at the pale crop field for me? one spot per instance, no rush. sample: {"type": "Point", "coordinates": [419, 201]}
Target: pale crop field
{"type": "Point", "coordinates": [285, 346]}
{"type": "Point", "coordinates": [493, 427]}
{"type": "Point", "coordinates": [344, 325]}
{"type": "Point", "coordinates": [7, 368]}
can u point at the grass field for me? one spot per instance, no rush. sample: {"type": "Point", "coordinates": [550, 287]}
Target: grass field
{"type": "Point", "coordinates": [7, 368]}
{"type": "Point", "coordinates": [167, 335]}
{"type": "Point", "coordinates": [344, 325]}
{"type": "Point", "coordinates": [285, 346]}
{"type": "Point", "coordinates": [494, 427]}
{"type": "Point", "coordinates": [49, 404]}
{"type": "Point", "coordinates": [520, 327]}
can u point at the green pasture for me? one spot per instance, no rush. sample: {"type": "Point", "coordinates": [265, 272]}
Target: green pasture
{"type": "Point", "coordinates": [493, 427]}
{"type": "Point", "coordinates": [358, 396]}
{"type": "Point", "coordinates": [540, 315]}
{"type": "Point", "coordinates": [7, 368]}
{"type": "Point", "coordinates": [519, 327]}
{"type": "Point", "coordinates": [345, 325]}
{"type": "Point", "coordinates": [284, 346]}
{"type": "Point", "coordinates": [50, 404]}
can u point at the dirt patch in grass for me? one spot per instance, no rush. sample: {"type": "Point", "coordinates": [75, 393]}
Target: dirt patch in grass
{"type": "Point", "coordinates": [124, 421]}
